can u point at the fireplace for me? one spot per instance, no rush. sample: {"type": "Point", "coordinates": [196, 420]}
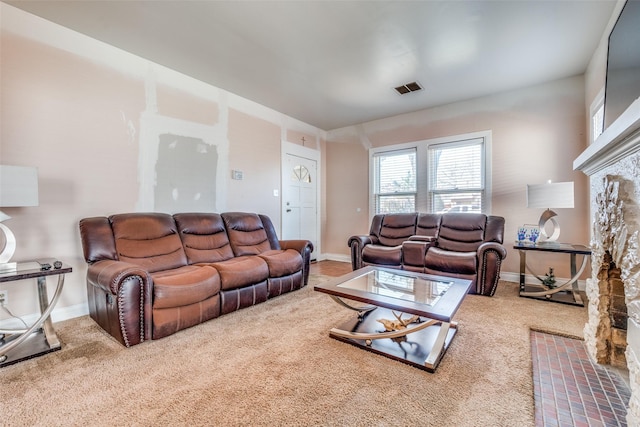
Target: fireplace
{"type": "Point", "coordinates": [612, 333]}
{"type": "Point", "coordinates": [614, 242]}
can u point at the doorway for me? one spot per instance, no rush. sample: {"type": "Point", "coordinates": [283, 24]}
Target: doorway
{"type": "Point", "coordinates": [300, 192]}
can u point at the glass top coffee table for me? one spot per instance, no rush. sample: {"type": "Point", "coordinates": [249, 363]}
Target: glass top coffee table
{"type": "Point", "coordinates": [402, 315]}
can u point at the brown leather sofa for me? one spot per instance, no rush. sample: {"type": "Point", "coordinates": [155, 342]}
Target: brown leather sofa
{"type": "Point", "coordinates": [152, 274]}
{"type": "Point", "coordinates": [462, 245]}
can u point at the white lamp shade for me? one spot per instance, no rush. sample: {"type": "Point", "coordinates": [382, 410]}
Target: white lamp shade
{"type": "Point", "coordinates": [553, 195]}
{"type": "Point", "coordinates": [18, 186]}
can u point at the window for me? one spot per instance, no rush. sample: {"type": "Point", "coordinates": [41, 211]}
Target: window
{"type": "Point", "coordinates": [450, 174]}
{"type": "Point", "coordinates": [596, 111]}
{"type": "Point", "coordinates": [395, 181]}
{"type": "Point", "coordinates": [597, 122]}
{"type": "Point", "coordinates": [456, 176]}
{"type": "Point", "coordinates": [301, 173]}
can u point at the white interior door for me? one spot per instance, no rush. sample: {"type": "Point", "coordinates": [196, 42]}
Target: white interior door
{"type": "Point", "coordinates": [299, 199]}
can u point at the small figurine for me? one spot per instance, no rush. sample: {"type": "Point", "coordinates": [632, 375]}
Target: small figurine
{"type": "Point", "coordinates": [549, 279]}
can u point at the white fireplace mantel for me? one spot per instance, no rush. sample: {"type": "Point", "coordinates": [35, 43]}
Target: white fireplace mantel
{"type": "Point", "coordinates": [618, 141]}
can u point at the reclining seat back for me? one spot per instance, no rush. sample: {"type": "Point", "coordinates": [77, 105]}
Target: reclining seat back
{"type": "Point", "coordinates": [204, 237]}
{"type": "Point", "coordinates": [183, 295]}
{"type": "Point", "coordinates": [461, 232]}
{"type": "Point", "coordinates": [458, 240]}
{"type": "Point", "coordinates": [149, 240]}
{"type": "Point", "coordinates": [253, 234]}
{"type": "Point", "coordinates": [390, 231]}
{"type": "Point", "coordinates": [243, 280]}
{"type": "Point", "coordinates": [428, 224]}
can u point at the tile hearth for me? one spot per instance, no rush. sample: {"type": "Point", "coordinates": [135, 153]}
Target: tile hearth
{"type": "Point", "coordinates": [571, 390]}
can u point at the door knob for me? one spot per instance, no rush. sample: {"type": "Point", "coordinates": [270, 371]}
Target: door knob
{"type": "Point", "coordinates": [288, 210]}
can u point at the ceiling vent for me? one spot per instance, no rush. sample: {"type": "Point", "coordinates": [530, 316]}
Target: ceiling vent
{"type": "Point", "coordinates": [409, 87]}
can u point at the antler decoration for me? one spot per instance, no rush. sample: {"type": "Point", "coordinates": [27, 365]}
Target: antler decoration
{"type": "Point", "coordinates": [391, 325]}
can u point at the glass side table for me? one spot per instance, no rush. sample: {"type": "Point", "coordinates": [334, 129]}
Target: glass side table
{"type": "Point", "coordinates": [39, 338]}
{"type": "Point", "coordinates": [566, 293]}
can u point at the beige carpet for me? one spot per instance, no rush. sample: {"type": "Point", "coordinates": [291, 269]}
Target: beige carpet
{"type": "Point", "coordinates": [274, 364]}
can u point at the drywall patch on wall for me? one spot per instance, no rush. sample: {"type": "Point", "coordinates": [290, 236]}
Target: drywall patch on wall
{"type": "Point", "coordinates": [185, 175]}
{"type": "Point", "coordinates": [173, 155]}
{"type": "Point", "coordinates": [181, 163]}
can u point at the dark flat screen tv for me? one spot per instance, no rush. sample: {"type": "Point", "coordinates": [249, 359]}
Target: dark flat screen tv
{"type": "Point", "coordinates": [623, 63]}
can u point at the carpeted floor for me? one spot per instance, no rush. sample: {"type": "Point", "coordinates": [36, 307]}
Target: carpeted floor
{"type": "Point", "coordinates": [274, 364]}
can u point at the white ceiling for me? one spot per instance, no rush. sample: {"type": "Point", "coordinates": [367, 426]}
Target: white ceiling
{"type": "Point", "coordinates": [335, 63]}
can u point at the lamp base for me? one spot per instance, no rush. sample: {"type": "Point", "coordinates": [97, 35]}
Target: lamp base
{"type": "Point", "coordinates": [9, 245]}
{"type": "Point", "coordinates": [546, 216]}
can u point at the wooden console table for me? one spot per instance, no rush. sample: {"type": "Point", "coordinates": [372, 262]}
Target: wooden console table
{"type": "Point", "coordinates": [39, 338]}
{"type": "Point", "coordinates": [566, 293]}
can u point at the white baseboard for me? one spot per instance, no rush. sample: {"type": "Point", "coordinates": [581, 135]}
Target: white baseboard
{"type": "Point", "coordinates": [57, 315]}
{"type": "Point", "coordinates": [334, 257]}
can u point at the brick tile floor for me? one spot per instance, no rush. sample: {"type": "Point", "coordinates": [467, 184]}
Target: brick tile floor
{"type": "Point", "coordinates": [571, 390]}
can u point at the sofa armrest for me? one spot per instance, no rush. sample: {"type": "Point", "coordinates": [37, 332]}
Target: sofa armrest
{"type": "Point", "coordinates": [110, 274]}
{"type": "Point", "coordinates": [414, 251]}
{"type": "Point", "coordinates": [298, 245]}
{"type": "Point", "coordinates": [305, 247]}
{"type": "Point", "coordinates": [490, 256]}
{"type": "Point", "coordinates": [120, 300]}
{"type": "Point", "coordinates": [357, 244]}
{"type": "Point", "coordinates": [497, 247]}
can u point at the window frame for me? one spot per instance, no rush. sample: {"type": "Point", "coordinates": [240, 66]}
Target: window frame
{"type": "Point", "coordinates": [423, 194]}
{"type": "Point", "coordinates": [375, 183]}
{"type": "Point", "coordinates": [596, 107]}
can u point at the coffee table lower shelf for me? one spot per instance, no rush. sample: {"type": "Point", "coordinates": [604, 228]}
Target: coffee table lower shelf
{"type": "Point", "coordinates": [413, 349]}
{"type": "Point", "coordinates": [35, 345]}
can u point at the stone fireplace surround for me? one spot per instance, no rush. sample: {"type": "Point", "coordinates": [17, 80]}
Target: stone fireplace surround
{"type": "Point", "coordinates": [612, 163]}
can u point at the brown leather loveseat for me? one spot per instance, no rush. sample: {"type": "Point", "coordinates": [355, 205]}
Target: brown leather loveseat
{"type": "Point", "coordinates": [153, 274]}
{"type": "Point", "coordinates": [462, 245]}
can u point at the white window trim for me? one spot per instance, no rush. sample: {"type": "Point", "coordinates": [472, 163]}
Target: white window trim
{"type": "Point", "coordinates": [422, 162]}
{"type": "Point", "coordinates": [598, 102]}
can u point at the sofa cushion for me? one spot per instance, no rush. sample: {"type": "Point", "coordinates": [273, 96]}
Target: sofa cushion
{"type": "Point", "coordinates": [450, 261]}
{"type": "Point", "coordinates": [246, 232]}
{"type": "Point", "coordinates": [461, 232]}
{"type": "Point", "coordinates": [383, 255]}
{"type": "Point", "coordinates": [204, 237]}
{"type": "Point", "coordinates": [282, 262]}
{"type": "Point", "coordinates": [397, 228]}
{"type": "Point", "coordinates": [428, 224]}
{"type": "Point", "coordinates": [183, 286]}
{"type": "Point", "coordinates": [241, 271]}
{"type": "Point", "coordinates": [149, 240]}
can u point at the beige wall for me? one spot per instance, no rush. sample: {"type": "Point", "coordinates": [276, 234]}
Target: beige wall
{"type": "Point", "coordinates": [79, 111]}
{"type": "Point", "coordinates": [73, 107]}
{"type": "Point", "coordinates": [537, 132]}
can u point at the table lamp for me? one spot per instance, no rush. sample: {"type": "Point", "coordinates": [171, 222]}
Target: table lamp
{"type": "Point", "coordinates": [18, 188]}
{"type": "Point", "coordinates": [551, 195]}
